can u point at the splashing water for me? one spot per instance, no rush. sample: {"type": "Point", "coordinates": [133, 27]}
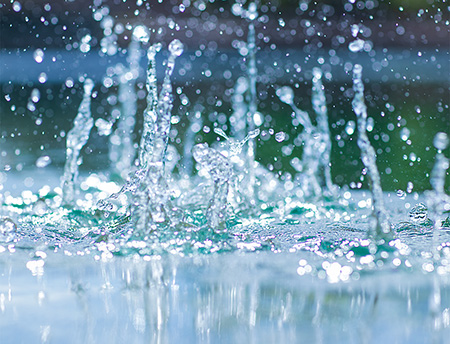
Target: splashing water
{"type": "Point", "coordinates": [174, 238]}
{"type": "Point", "coordinates": [315, 171]}
{"type": "Point", "coordinates": [381, 228]}
{"type": "Point", "coordinates": [151, 199]}
{"type": "Point", "coordinates": [77, 137]}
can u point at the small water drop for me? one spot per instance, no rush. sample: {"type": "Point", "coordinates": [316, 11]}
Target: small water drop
{"type": "Point", "coordinates": [35, 95]}
{"type": "Point", "coordinates": [355, 30]}
{"type": "Point", "coordinates": [252, 12]}
{"type": "Point", "coordinates": [38, 55]}
{"type": "Point", "coordinates": [176, 47]}
{"type": "Point", "coordinates": [356, 45]}
{"type": "Point", "coordinates": [104, 127]}
{"type": "Point", "coordinates": [43, 161]}
{"type": "Point", "coordinates": [17, 6]}
{"type": "Point", "coordinates": [141, 34]}
{"type": "Point", "coordinates": [404, 134]}
{"type": "Point", "coordinates": [350, 127]}
{"type": "Point", "coordinates": [7, 229]}
{"type": "Point", "coordinates": [182, 8]}
{"type": "Point", "coordinates": [286, 95]}
{"type": "Point", "coordinates": [418, 214]}
{"type": "Point", "coordinates": [441, 141]}
{"type": "Point", "coordinates": [280, 136]}
{"type": "Point", "coordinates": [42, 78]}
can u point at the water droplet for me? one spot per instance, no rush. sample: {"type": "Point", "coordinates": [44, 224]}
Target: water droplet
{"type": "Point", "coordinates": [182, 8]}
{"type": "Point", "coordinates": [176, 47]}
{"type": "Point", "coordinates": [17, 6]}
{"type": "Point", "coordinates": [280, 136]}
{"type": "Point", "coordinates": [404, 134]}
{"type": "Point", "coordinates": [38, 55]}
{"type": "Point", "coordinates": [418, 214]}
{"type": "Point", "coordinates": [104, 127]}
{"type": "Point", "coordinates": [286, 95]}
{"type": "Point", "coordinates": [141, 34]}
{"type": "Point", "coordinates": [356, 45]}
{"type": "Point", "coordinates": [441, 141]}
{"type": "Point", "coordinates": [7, 229]}
{"type": "Point", "coordinates": [42, 78]}
{"type": "Point", "coordinates": [355, 30]}
{"type": "Point", "coordinates": [43, 161]}
{"type": "Point", "coordinates": [35, 95]}
{"type": "Point", "coordinates": [350, 127]}
{"type": "Point", "coordinates": [317, 73]}
{"type": "Point", "coordinates": [88, 86]}
{"type": "Point", "coordinates": [69, 83]}
{"type": "Point", "coordinates": [281, 22]}
{"type": "Point", "coordinates": [252, 12]}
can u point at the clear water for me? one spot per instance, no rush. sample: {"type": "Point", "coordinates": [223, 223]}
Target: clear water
{"type": "Point", "coordinates": [163, 237]}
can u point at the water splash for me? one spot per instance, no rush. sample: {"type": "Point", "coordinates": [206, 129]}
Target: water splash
{"type": "Point", "coordinates": [380, 228]}
{"type": "Point", "coordinates": [320, 108]}
{"type": "Point", "coordinates": [77, 137]}
{"type": "Point", "coordinates": [437, 200]}
{"type": "Point", "coordinates": [247, 89]}
{"type": "Point", "coordinates": [151, 200]}
{"type": "Point", "coordinates": [315, 177]}
{"type": "Point", "coordinates": [220, 170]}
{"type": "Point", "coordinates": [122, 152]}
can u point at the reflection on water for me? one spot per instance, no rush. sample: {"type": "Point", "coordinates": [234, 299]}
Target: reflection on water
{"type": "Point", "coordinates": [256, 300]}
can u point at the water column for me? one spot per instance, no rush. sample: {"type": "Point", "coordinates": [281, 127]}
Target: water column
{"type": "Point", "coordinates": [152, 196]}
{"type": "Point", "coordinates": [251, 96]}
{"type": "Point", "coordinates": [77, 137]}
{"type": "Point", "coordinates": [320, 108]}
{"type": "Point", "coordinates": [312, 146]}
{"type": "Point", "coordinates": [380, 227]}
{"type": "Point", "coordinates": [122, 151]}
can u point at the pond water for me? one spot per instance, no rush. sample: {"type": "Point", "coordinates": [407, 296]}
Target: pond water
{"type": "Point", "coordinates": [193, 171]}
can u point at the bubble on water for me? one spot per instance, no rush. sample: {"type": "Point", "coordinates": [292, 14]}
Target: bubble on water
{"type": "Point", "coordinates": [38, 55]}
{"type": "Point", "coordinates": [35, 95]}
{"type": "Point", "coordinates": [286, 95]}
{"type": "Point", "coordinates": [281, 22]}
{"type": "Point", "coordinates": [404, 134]}
{"type": "Point", "coordinates": [176, 47]}
{"type": "Point", "coordinates": [182, 8]}
{"type": "Point", "coordinates": [7, 229]}
{"type": "Point", "coordinates": [43, 161]}
{"type": "Point", "coordinates": [356, 45]}
{"type": "Point", "coordinates": [418, 214]}
{"type": "Point", "coordinates": [441, 141]}
{"type": "Point", "coordinates": [280, 137]}
{"type": "Point", "coordinates": [141, 34]}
